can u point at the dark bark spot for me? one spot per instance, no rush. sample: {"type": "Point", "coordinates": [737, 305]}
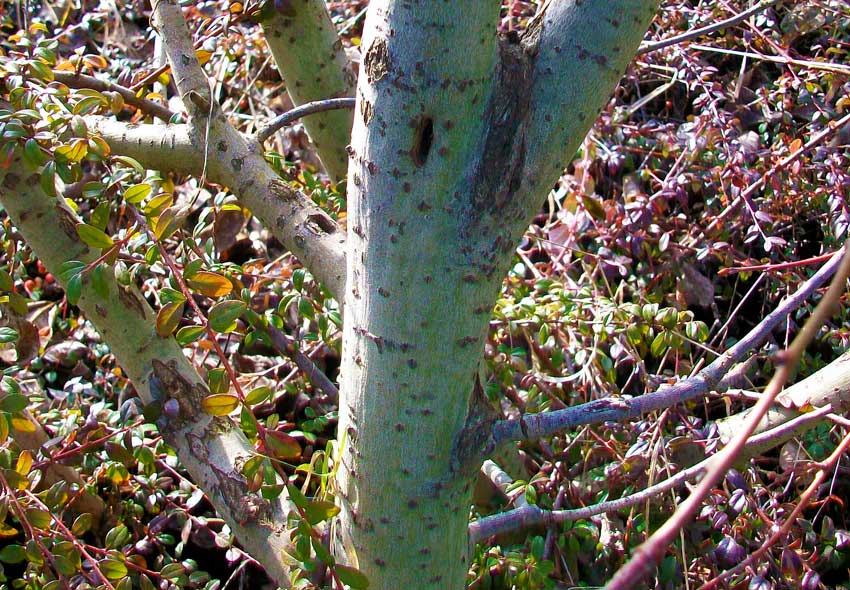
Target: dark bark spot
{"type": "Point", "coordinates": [412, 504]}
{"type": "Point", "coordinates": [399, 427]}
{"type": "Point", "coordinates": [411, 363]}
{"type": "Point", "coordinates": [236, 164]}
{"type": "Point", "coordinates": [423, 141]}
{"type": "Point", "coordinates": [321, 221]}
{"type": "Point", "coordinates": [376, 62]}
{"type": "Point", "coordinates": [383, 292]}
{"type": "Point", "coordinates": [222, 146]}
{"type": "Point", "coordinates": [423, 206]}
{"type": "Point", "coordinates": [11, 180]}
{"type": "Point", "coordinates": [366, 110]}
{"type": "Point", "coordinates": [380, 562]}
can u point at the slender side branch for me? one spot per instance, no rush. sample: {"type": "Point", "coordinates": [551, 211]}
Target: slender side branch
{"type": "Point", "coordinates": [645, 557]}
{"type": "Point", "coordinates": [211, 449]}
{"type": "Point", "coordinates": [528, 516]}
{"type": "Point", "coordinates": [539, 425]}
{"type": "Point", "coordinates": [309, 108]}
{"type": "Point", "coordinates": [311, 60]}
{"type": "Point", "coordinates": [149, 107]}
{"type": "Point", "coordinates": [708, 29]}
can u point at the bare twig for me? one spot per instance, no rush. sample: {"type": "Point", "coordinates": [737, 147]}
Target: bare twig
{"type": "Point", "coordinates": [831, 128]}
{"type": "Point", "coordinates": [645, 557]}
{"type": "Point", "coordinates": [149, 107]}
{"type": "Point", "coordinates": [829, 464]}
{"type": "Point", "coordinates": [288, 346]}
{"type": "Point", "coordinates": [706, 30]}
{"type": "Point", "coordinates": [317, 106]}
{"type": "Point", "coordinates": [532, 427]}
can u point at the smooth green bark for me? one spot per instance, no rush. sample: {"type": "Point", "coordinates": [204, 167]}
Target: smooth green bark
{"type": "Point", "coordinates": [447, 169]}
{"type": "Point", "coordinates": [314, 65]}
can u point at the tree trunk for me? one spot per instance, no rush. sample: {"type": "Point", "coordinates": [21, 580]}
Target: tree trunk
{"type": "Point", "coordinates": [451, 156]}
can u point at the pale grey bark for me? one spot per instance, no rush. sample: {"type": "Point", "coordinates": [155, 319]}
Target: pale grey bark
{"type": "Point", "coordinates": [313, 63]}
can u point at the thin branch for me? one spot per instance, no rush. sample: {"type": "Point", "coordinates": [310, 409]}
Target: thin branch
{"type": "Point", "coordinates": [309, 108]}
{"type": "Point", "coordinates": [645, 557]}
{"type": "Point", "coordinates": [706, 30]}
{"type": "Point", "coordinates": [149, 107]}
{"type": "Point", "coordinates": [829, 130]}
{"type": "Point", "coordinates": [823, 467]}
{"type": "Point", "coordinates": [189, 77]}
{"type": "Point", "coordinates": [532, 516]}
{"type": "Point", "coordinates": [286, 345]}
{"type": "Point", "coordinates": [531, 427]}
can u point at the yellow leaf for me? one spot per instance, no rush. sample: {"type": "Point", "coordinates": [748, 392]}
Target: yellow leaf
{"type": "Point", "coordinates": [210, 284]}
{"type": "Point", "coordinates": [22, 424]}
{"type": "Point", "coordinates": [24, 463]}
{"type": "Point", "coordinates": [6, 531]}
{"type": "Point", "coordinates": [203, 56]}
{"type": "Point", "coordinates": [220, 404]}
{"type": "Point", "coordinates": [168, 318]}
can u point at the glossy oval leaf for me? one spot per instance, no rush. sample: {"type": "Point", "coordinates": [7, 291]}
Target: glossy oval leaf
{"type": "Point", "coordinates": [220, 404]}
{"type": "Point", "coordinates": [210, 284]}
{"type": "Point", "coordinates": [223, 315]}
{"type": "Point", "coordinates": [93, 236]}
{"type": "Point", "coordinates": [168, 318]}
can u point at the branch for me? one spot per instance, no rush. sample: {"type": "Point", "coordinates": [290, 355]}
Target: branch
{"type": "Point", "coordinates": [309, 108]}
{"type": "Point", "coordinates": [644, 559]}
{"type": "Point", "coordinates": [828, 387]}
{"type": "Point", "coordinates": [582, 50]}
{"type": "Point", "coordinates": [706, 30]}
{"type": "Point", "coordinates": [529, 516]}
{"type": "Point", "coordinates": [531, 427]}
{"type": "Point", "coordinates": [75, 80]}
{"type": "Point", "coordinates": [232, 160]}
{"type": "Point", "coordinates": [288, 346]}
{"type": "Point", "coordinates": [211, 449]}
{"type": "Point", "coordinates": [313, 63]}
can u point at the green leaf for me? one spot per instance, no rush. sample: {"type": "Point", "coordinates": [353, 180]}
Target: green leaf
{"type": "Point", "coordinates": [258, 395]}
{"type": "Point", "coordinates": [82, 524]}
{"type": "Point", "coordinates": [137, 193]}
{"type": "Point", "coordinates": [100, 215]}
{"type": "Point", "coordinates": [38, 518]}
{"type": "Point", "coordinates": [6, 281]}
{"type": "Point", "coordinates": [320, 510]}
{"type": "Point", "coordinates": [98, 280]}
{"type": "Point", "coordinates": [223, 316]}
{"type": "Point", "coordinates": [130, 162]}
{"type": "Point", "coordinates": [74, 289]}
{"type": "Point", "coordinates": [351, 577]}
{"type": "Point", "coordinates": [113, 569]}
{"type": "Point", "coordinates": [8, 334]}
{"type": "Point", "coordinates": [168, 318]}
{"type": "Point", "coordinates": [188, 334]}
{"type": "Point", "coordinates": [93, 237]}
{"type": "Point", "coordinates": [70, 269]}
{"type": "Point", "coordinates": [14, 403]}
{"type": "Point", "coordinates": [13, 554]}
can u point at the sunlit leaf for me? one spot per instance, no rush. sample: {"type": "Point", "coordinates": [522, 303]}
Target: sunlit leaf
{"type": "Point", "coordinates": [93, 236]}
{"type": "Point", "coordinates": [24, 463]}
{"type": "Point", "coordinates": [168, 318]}
{"type": "Point", "coordinates": [223, 316]}
{"type": "Point", "coordinates": [188, 334]}
{"type": "Point", "coordinates": [210, 284]}
{"type": "Point", "coordinates": [220, 404]}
